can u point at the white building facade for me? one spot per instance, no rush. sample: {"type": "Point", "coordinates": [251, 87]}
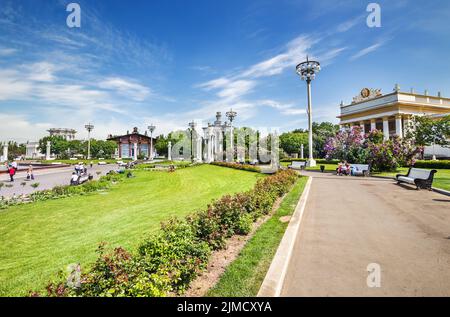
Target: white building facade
{"type": "Point", "coordinates": [392, 113]}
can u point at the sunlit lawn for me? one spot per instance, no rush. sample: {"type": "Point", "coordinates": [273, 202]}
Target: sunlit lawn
{"type": "Point", "coordinates": [39, 239]}
{"type": "Point", "coordinates": [441, 178]}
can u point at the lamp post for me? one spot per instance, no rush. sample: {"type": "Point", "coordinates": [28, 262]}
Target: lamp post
{"type": "Point", "coordinates": [89, 127]}
{"type": "Point", "coordinates": [231, 115]}
{"type": "Point", "coordinates": [151, 128]}
{"type": "Point", "coordinates": [307, 71]}
{"type": "Point", "coordinates": [192, 128]}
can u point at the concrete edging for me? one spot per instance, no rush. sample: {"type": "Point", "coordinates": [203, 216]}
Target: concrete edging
{"type": "Point", "coordinates": [436, 190]}
{"type": "Point", "coordinates": [274, 280]}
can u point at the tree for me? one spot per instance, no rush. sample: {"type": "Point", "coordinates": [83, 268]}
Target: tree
{"type": "Point", "coordinates": [101, 148]}
{"type": "Point", "coordinates": [321, 133]}
{"type": "Point", "coordinates": [426, 130]}
{"type": "Point", "coordinates": [59, 145]}
{"type": "Point", "coordinates": [291, 142]}
{"type": "Point", "coordinates": [15, 150]}
{"type": "Point", "coordinates": [347, 145]}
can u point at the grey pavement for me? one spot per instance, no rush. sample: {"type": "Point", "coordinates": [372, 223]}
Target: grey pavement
{"type": "Point", "coordinates": [47, 179]}
{"type": "Point", "coordinates": [351, 222]}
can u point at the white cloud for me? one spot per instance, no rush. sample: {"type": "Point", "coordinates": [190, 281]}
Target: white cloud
{"type": "Point", "coordinates": [366, 51]}
{"type": "Point", "coordinates": [236, 89]}
{"type": "Point", "coordinates": [125, 87]}
{"type": "Point", "coordinates": [7, 51]}
{"type": "Point", "coordinates": [11, 86]}
{"type": "Point", "coordinates": [19, 128]}
{"type": "Point", "coordinates": [43, 71]}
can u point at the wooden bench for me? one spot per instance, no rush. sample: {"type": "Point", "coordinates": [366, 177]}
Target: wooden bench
{"type": "Point", "coordinates": [295, 165]}
{"type": "Point", "coordinates": [360, 170]}
{"type": "Point", "coordinates": [423, 179]}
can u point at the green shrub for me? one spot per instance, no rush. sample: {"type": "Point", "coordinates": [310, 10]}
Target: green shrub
{"type": "Point", "coordinates": [318, 161]}
{"type": "Point", "coordinates": [441, 164]}
{"type": "Point", "coordinates": [178, 251]}
{"type": "Point", "coordinates": [244, 224]}
{"type": "Point", "coordinates": [242, 167]}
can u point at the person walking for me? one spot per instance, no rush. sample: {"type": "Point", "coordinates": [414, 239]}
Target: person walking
{"type": "Point", "coordinates": [12, 172]}
{"type": "Point", "coordinates": [30, 174]}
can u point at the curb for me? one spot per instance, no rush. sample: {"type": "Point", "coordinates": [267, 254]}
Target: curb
{"type": "Point", "coordinates": [274, 280]}
{"type": "Point", "coordinates": [441, 191]}
{"type": "Point", "coordinates": [437, 190]}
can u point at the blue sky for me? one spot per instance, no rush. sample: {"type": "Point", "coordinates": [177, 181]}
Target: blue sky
{"type": "Point", "coordinates": [168, 62]}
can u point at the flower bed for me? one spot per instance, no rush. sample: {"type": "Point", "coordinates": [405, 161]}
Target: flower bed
{"type": "Point", "coordinates": [243, 167]}
{"type": "Point", "coordinates": [168, 261]}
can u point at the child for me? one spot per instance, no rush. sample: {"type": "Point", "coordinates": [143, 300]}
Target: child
{"type": "Point", "coordinates": [339, 169]}
{"type": "Point", "coordinates": [30, 175]}
{"type": "Point", "coordinates": [12, 172]}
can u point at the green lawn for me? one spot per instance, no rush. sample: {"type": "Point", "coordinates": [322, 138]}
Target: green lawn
{"type": "Point", "coordinates": [245, 275]}
{"type": "Point", "coordinates": [441, 178]}
{"type": "Point", "coordinates": [39, 239]}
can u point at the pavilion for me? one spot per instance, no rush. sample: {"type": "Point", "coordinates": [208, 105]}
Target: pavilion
{"type": "Point", "coordinates": [132, 145]}
{"type": "Point", "coordinates": [390, 113]}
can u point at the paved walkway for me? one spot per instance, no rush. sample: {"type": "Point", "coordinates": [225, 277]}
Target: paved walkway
{"type": "Point", "coordinates": [352, 222]}
{"type": "Point", "coordinates": [47, 179]}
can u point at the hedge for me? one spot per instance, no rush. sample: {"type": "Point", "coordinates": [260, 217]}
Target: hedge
{"type": "Point", "coordinates": [319, 161]}
{"type": "Point", "coordinates": [243, 167]}
{"type": "Point", "coordinates": [441, 164]}
{"type": "Point", "coordinates": [166, 262]}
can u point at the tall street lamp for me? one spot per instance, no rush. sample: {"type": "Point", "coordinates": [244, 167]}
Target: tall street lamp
{"type": "Point", "coordinates": [192, 126]}
{"type": "Point", "coordinates": [151, 128]}
{"type": "Point", "coordinates": [231, 115]}
{"type": "Point", "coordinates": [307, 71]}
{"type": "Point", "coordinates": [89, 127]}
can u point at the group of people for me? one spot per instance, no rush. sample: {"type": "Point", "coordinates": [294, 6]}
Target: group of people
{"type": "Point", "coordinates": [12, 170]}
{"type": "Point", "coordinates": [80, 169]}
{"type": "Point", "coordinates": [344, 168]}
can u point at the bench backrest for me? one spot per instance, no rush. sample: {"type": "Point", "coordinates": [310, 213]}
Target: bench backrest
{"type": "Point", "coordinates": [417, 173]}
{"type": "Point", "coordinates": [361, 167]}
{"type": "Point", "coordinates": [298, 164]}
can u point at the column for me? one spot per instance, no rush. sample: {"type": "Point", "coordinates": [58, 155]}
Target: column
{"type": "Point", "coordinates": [232, 142]}
{"type": "Point", "coordinates": [373, 124]}
{"type": "Point", "coordinates": [135, 147]}
{"type": "Point", "coordinates": [407, 125]}
{"type": "Point", "coordinates": [199, 147]}
{"type": "Point", "coordinates": [361, 124]}
{"type": "Point", "coordinates": [5, 152]}
{"type": "Point", "coordinates": [169, 151]}
{"type": "Point", "coordinates": [398, 125]}
{"type": "Point", "coordinates": [302, 156]}
{"type": "Point", "coordinates": [386, 128]}
{"type": "Point", "coordinates": [47, 152]}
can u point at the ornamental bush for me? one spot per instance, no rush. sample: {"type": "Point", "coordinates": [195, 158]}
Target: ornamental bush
{"type": "Point", "coordinates": [382, 155]}
{"type": "Point", "coordinates": [242, 167]}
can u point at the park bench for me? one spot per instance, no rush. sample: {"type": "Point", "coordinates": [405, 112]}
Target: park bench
{"type": "Point", "coordinates": [360, 170]}
{"type": "Point", "coordinates": [297, 165]}
{"type": "Point", "coordinates": [423, 179]}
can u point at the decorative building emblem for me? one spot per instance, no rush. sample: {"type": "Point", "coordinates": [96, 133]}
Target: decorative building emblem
{"type": "Point", "coordinates": [367, 94]}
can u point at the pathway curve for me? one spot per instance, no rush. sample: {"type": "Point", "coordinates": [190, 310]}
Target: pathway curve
{"type": "Point", "coordinates": [47, 179]}
{"type": "Point", "coordinates": [351, 222]}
